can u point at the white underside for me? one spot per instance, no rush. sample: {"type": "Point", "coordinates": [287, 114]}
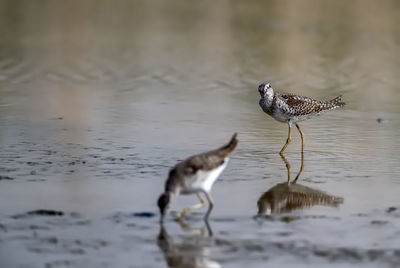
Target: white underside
{"type": "Point", "coordinates": [204, 180]}
{"type": "Point", "coordinates": [282, 117]}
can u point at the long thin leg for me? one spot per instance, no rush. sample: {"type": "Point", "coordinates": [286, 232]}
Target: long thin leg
{"type": "Point", "coordinates": [187, 227]}
{"type": "Point", "coordinates": [208, 226]}
{"type": "Point", "coordinates": [188, 209]}
{"type": "Point", "coordinates": [201, 231]}
{"type": "Point", "coordinates": [289, 138]}
{"type": "Point", "coordinates": [287, 166]}
{"type": "Point", "coordinates": [211, 206]}
{"type": "Point", "coordinates": [301, 167]}
{"type": "Point", "coordinates": [302, 138]}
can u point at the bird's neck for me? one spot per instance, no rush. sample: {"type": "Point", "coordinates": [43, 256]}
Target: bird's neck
{"type": "Point", "coordinates": [268, 99]}
{"type": "Point", "coordinates": [270, 95]}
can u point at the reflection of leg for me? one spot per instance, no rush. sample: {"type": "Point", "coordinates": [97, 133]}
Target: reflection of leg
{"type": "Point", "coordinates": [188, 209]}
{"type": "Point", "coordinates": [210, 232]}
{"type": "Point", "coordinates": [200, 231]}
{"type": "Point", "coordinates": [302, 138]}
{"type": "Point", "coordinates": [287, 166]}
{"type": "Point", "coordinates": [211, 206]}
{"type": "Point", "coordinates": [289, 138]}
{"type": "Point", "coordinates": [187, 227]}
{"type": "Point", "coordinates": [163, 239]}
{"type": "Point", "coordinates": [301, 167]}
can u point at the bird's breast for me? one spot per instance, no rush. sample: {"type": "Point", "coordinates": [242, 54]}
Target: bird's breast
{"type": "Point", "coordinates": [275, 109]}
{"type": "Point", "coordinates": [265, 106]}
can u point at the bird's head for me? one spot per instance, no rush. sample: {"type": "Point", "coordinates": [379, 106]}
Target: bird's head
{"type": "Point", "coordinates": [163, 203]}
{"type": "Point", "coordinates": [264, 207]}
{"type": "Point", "coordinates": [265, 90]}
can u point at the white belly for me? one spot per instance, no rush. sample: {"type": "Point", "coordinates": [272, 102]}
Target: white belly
{"type": "Point", "coordinates": [205, 179]}
{"type": "Point", "coordinates": [280, 116]}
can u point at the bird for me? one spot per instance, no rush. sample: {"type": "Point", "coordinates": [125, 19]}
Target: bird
{"type": "Point", "coordinates": [291, 108]}
{"type": "Point", "coordinates": [288, 196]}
{"type": "Point", "coordinates": [196, 175]}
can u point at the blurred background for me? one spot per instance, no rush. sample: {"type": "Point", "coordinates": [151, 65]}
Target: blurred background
{"type": "Point", "coordinates": [98, 99]}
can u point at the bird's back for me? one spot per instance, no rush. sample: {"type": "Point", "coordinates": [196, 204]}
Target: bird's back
{"type": "Point", "coordinates": [300, 105]}
{"type": "Point", "coordinates": [285, 197]}
{"type": "Point", "coordinates": [198, 167]}
{"type": "Point", "coordinates": [295, 107]}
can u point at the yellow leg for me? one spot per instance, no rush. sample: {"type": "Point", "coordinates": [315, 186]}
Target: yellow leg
{"type": "Point", "coordinates": [287, 166]}
{"type": "Point", "coordinates": [188, 209]}
{"type": "Point", "coordinates": [301, 167]}
{"type": "Point", "coordinates": [187, 227]}
{"type": "Point", "coordinates": [201, 231]}
{"type": "Point", "coordinates": [288, 140]}
{"type": "Point", "coordinates": [302, 138]}
{"type": "Point", "coordinates": [211, 206]}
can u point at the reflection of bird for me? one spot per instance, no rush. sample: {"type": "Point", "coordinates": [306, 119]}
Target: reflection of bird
{"type": "Point", "coordinates": [191, 252]}
{"type": "Point", "coordinates": [288, 196]}
{"type": "Point", "coordinates": [195, 175]}
{"type": "Point", "coordinates": [285, 197]}
{"type": "Point", "coordinates": [291, 108]}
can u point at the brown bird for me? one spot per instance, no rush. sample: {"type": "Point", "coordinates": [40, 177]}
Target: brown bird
{"type": "Point", "coordinates": [292, 108]}
{"type": "Point", "coordinates": [288, 196]}
{"type": "Point", "coordinates": [196, 175]}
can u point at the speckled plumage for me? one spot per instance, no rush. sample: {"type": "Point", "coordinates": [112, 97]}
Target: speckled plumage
{"type": "Point", "coordinates": [292, 108]}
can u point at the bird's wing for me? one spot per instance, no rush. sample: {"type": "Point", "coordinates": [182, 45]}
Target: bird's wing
{"type": "Point", "coordinates": [204, 162]}
{"type": "Point", "coordinates": [209, 160]}
{"type": "Point", "coordinates": [186, 172]}
{"type": "Point", "coordinates": [300, 105]}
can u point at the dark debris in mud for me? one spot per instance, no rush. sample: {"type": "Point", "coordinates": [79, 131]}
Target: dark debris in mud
{"type": "Point", "coordinates": [6, 178]}
{"type": "Point", "coordinates": [43, 213]}
{"type": "Point", "coordinates": [379, 222]}
{"type": "Point", "coordinates": [144, 214]}
{"type": "Point", "coordinates": [121, 216]}
{"type": "Point", "coordinates": [57, 118]}
{"type": "Point", "coordinates": [391, 209]}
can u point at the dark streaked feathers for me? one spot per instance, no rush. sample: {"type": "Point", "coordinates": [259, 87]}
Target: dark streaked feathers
{"type": "Point", "coordinates": [286, 197]}
{"type": "Point", "coordinates": [299, 105]}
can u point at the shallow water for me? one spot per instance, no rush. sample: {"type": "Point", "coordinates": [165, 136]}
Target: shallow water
{"type": "Point", "coordinates": [99, 99]}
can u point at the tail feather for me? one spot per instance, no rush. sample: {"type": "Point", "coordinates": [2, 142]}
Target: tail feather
{"type": "Point", "coordinates": [229, 147]}
{"type": "Point", "coordinates": [337, 101]}
{"type": "Point", "coordinates": [333, 104]}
